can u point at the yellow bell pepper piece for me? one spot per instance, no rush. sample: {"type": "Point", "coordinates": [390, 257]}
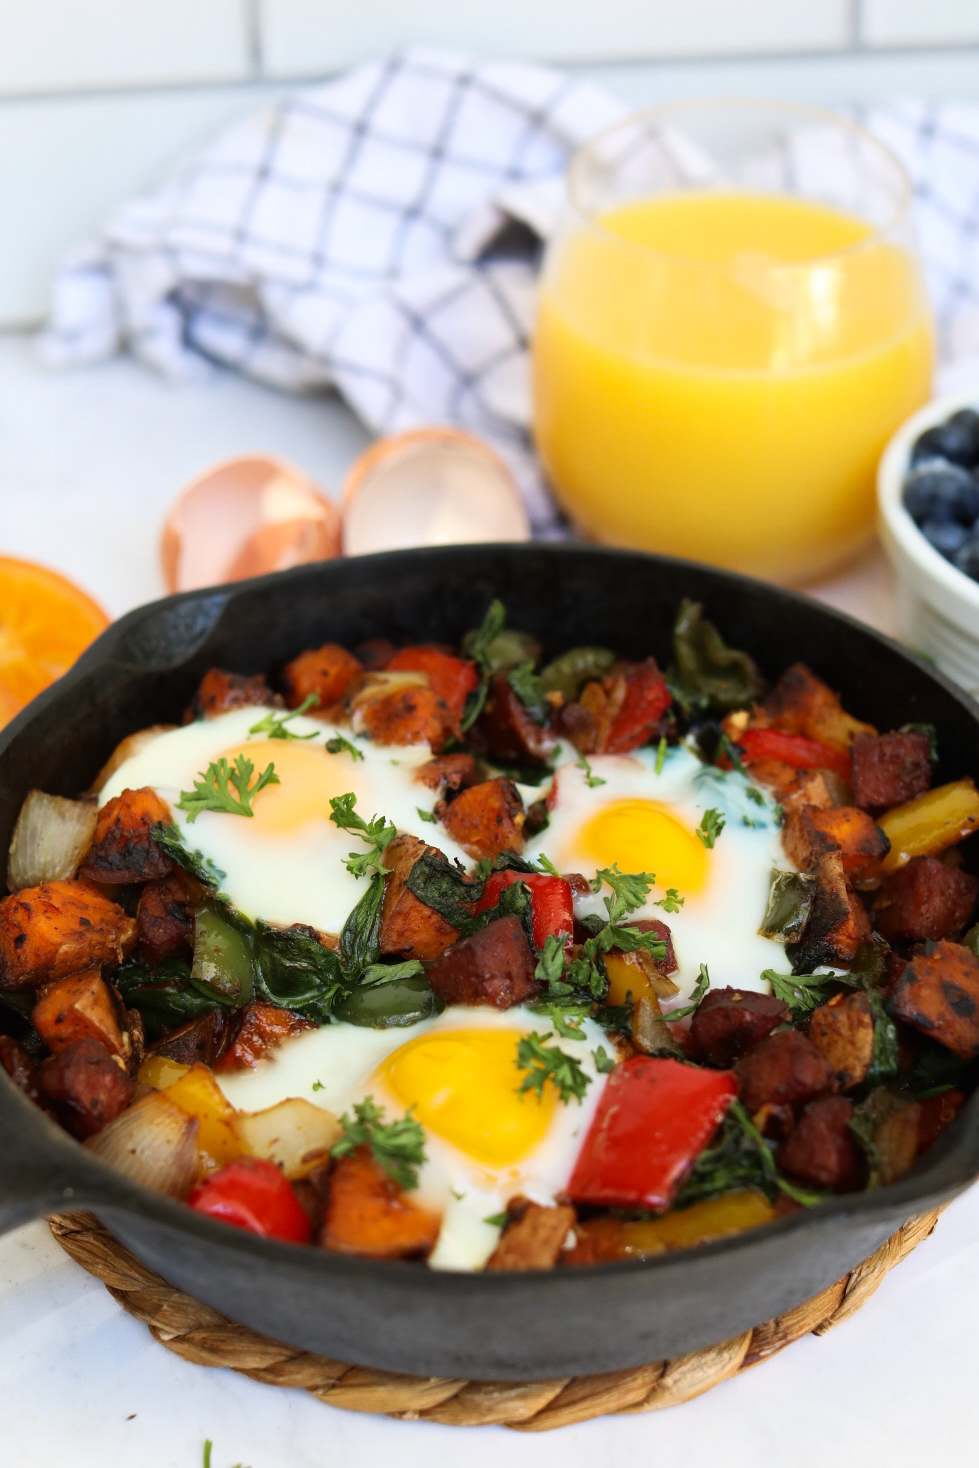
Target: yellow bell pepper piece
{"type": "Point", "coordinates": [626, 976]}
{"type": "Point", "coordinates": [713, 1218]}
{"type": "Point", "coordinates": [198, 1094]}
{"type": "Point", "coordinates": [158, 1071]}
{"type": "Point", "coordinates": [930, 823]}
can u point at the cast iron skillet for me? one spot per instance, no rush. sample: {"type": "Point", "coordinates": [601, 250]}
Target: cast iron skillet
{"type": "Point", "coordinates": [400, 1316]}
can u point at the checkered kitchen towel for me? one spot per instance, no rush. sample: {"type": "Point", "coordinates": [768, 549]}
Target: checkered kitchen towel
{"type": "Point", "coordinates": [353, 236]}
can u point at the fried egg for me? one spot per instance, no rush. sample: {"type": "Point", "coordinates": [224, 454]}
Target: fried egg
{"type": "Point", "coordinates": [285, 863]}
{"type": "Point", "coordinates": [485, 1140]}
{"type": "Point", "coordinates": [621, 809]}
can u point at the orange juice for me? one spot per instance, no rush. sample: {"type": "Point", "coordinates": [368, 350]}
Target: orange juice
{"type": "Point", "coordinates": [715, 375]}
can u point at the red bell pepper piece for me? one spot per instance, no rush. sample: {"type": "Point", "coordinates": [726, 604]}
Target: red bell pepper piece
{"type": "Point", "coordinates": [646, 700]}
{"type": "Point", "coordinates": [253, 1194]}
{"type": "Point", "coordinates": [792, 749]}
{"type": "Point", "coordinates": [450, 679]}
{"type": "Point", "coordinates": [654, 1119]}
{"type": "Point", "coordinates": [551, 902]}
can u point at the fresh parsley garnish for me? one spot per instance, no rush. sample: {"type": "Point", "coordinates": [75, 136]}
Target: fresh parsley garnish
{"type": "Point", "coordinates": [544, 864]}
{"type": "Point", "coordinates": [213, 790]}
{"type": "Point", "coordinates": [497, 1220]}
{"type": "Point", "coordinates": [672, 902]}
{"type": "Point", "coordinates": [591, 780]}
{"type": "Point", "coordinates": [397, 1146]}
{"type": "Point", "coordinates": [274, 725]}
{"type": "Point", "coordinates": [317, 1086]}
{"type": "Point", "coordinates": [699, 990]}
{"type": "Point", "coordinates": [377, 832]}
{"type": "Point", "coordinates": [565, 1015]}
{"type": "Point", "coordinates": [805, 992]}
{"type": "Point", "coordinates": [629, 891]}
{"type": "Point", "coordinates": [543, 1062]}
{"type": "Point", "coordinates": [603, 1061]}
{"type": "Point", "coordinates": [550, 961]}
{"type": "Point", "coordinates": [711, 825]}
{"type": "Point", "coordinates": [391, 973]}
{"type": "Point", "coordinates": [339, 745]}
{"type": "Point", "coordinates": [529, 689]}
{"type": "Point", "coordinates": [661, 754]}
{"type": "Point", "coordinates": [427, 815]}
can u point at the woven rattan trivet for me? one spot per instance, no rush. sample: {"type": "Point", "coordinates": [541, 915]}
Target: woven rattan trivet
{"type": "Point", "coordinates": [199, 1334]}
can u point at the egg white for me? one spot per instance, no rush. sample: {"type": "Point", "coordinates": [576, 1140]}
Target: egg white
{"type": "Point", "coordinates": [334, 1067]}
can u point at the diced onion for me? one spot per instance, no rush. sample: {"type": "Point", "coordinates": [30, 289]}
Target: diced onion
{"type": "Point", "coordinates": [295, 1134]}
{"type": "Point", "coordinates": [154, 1143]}
{"type": "Point", "coordinates": [50, 838]}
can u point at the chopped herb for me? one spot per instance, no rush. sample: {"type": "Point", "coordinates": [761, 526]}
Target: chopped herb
{"type": "Point", "coordinates": [497, 1220]}
{"type": "Point", "coordinates": [458, 1196]}
{"type": "Point", "coordinates": [339, 745]}
{"type": "Point", "coordinates": [565, 1015]}
{"type": "Point", "coordinates": [274, 725]}
{"type": "Point", "coordinates": [699, 990]}
{"type": "Point", "coordinates": [477, 644]}
{"type": "Point", "coordinates": [211, 789]}
{"type": "Point", "coordinates": [544, 1063]}
{"type": "Point", "coordinates": [207, 1452]}
{"type": "Point", "coordinates": [550, 960]}
{"type": "Point", "coordinates": [590, 780]}
{"type": "Point", "coordinates": [661, 754]}
{"type": "Point", "coordinates": [616, 1018]}
{"type": "Point", "coordinates": [711, 825]}
{"type": "Point", "coordinates": [603, 1061]}
{"type": "Point", "coordinates": [672, 902]}
{"type": "Point", "coordinates": [805, 992]}
{"type": "Point", "coordinates": [755, 795]}
{"type": "Point", "coordinates": [629, 891]}
{"type": "Point", "coordinates": [392, 973]}
{"type": "Point", "coordinates": [169, 839]}
{"type": "Point", "coordinates": [494, 648]}
{"type": "Point", "coordinates": [378, 833]}
{"type": "Point", "coordinates": [397, 1146]}
{"type": "Point", "coordinates": [427, 815]}
{"type": "Point", "coordinates": [527, 686]}
{"type": "Point", "coordinates": [318, 1086]}
{"type": "Point", "coordinates": [546, 865]}
{"type": "Point", "coordinates": [726, 746]}
{"type": "Point", "coordinates": [739, 1157]}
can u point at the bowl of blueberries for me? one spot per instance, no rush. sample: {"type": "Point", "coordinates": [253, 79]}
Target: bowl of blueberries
{"type": "Point", "coordinates": [928, 502]}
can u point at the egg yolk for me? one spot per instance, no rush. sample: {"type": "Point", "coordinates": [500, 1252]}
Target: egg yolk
{"type": "Point", "coordinates": [463, 1085]}
{"type": "Point", "coordinates": [308, 777]}
{"type": "Point", "coordinates": [641, 836]}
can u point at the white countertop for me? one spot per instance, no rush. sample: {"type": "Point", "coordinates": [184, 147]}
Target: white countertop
{"type": "Point", "coordinates": [88, 464]}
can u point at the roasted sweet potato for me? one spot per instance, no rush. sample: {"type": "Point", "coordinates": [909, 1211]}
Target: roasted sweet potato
{"type": "Point", "coordinates": [257, 1030]}
{"type": "Point", "coordinates": [889, 769]}
{"type": "Point", "coordinates": [728, 1022]}
{"type": "Point", "coordinates": [925, 899]}
{"type": "Point", "coordinates": [843, 1033]}
{"type": "Point", "coordinates": [165, 917]}
{"type": "Point", "coordinates": [123, 849]}
{"type": "Point", "coordinates": [801, 703]}
{"type": "Point", "coordinates": [450, 678]}
{"type": "Point", "coordinates": [783, 1070]}
{"type": "Point", "coordinates": [447, 772]}
{"type": "Point", "coordinates": [86, 1086]}
{"type": "Point", "coordinates": [821, 1149]}
{"type": "Point", "coordinates": [534, 1239]}
{"type": "Point", "coordinates": [838, 922]}
{"type": "Point", "coordinates": [938, 994]}
{"type": "Point", "coordinates": [506, 731]}
{"type": "Point", "coordinates": [411, 715]}
{"type": "Point", "coordinates": [803, 843]}
{"type": "Point", "coordinates": [487, 818]}
{"type": "Point", "coordinates": [78, 1007]}
{"type": "Point", "coordinates": [323, 672]}
{"type": "Point", "coordinates": [818, 789]}
{"type": "Point", "coordinates": [220, 692]}
{"type": "Point", "coordinates": [367, 1213]}
{"type": "Point", "coordinates": [854, 834]}
{"type": "Point", "coordinates": [494, 966]}
{"type": "Point", "coordinates": [409, 927]}
{"type": "Point", "coordinates": [58, 928]}
{"type": "Point", "coordinates": [202, 1039]}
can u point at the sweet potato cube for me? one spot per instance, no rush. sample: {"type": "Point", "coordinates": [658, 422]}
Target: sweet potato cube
{"type": "Point", "coordinates": [86, 1086]}
{"type": "Point", "coordinates": [494, 966]}
{"type": "Point", "coordinates": [323, 672]}
{"type": "Point", "coordinates": [58, 928]}
{"type": "Point", "coordinates": [782, 1070]}
{"type": "Point", "coordinates": [260, 1027]}
{"type": "Point", "coordinates": [801, 703]}
{"type": "Point", "coordinates": [818, 789]}
{"type": "Point", "coordinates": [802, 842]}
{"type": "Point", "coordinates": [447, 772]}
{"type": "Point", "coordinates": [411, 715]}
{"type": "Point", "coordinates": [727, 1022]}
{"type": "Point", "coordinates": [926, 900]}
{"type": "Point", "coordinates": [838, 922]}
{"type": "Point", "coordinates": [854, 834]}
{"type": "Point", "coordinates": [534, 1239]}
{"type": "Point", "coordinates": [165, 917]}
{"type": "Point", "coordinates": [821, 1149]}
{"type": "Point", "coordinates": [843, 1033]}
{"type": "Point", "coordinates": [367, 1213]}
{"type": "Point", "coordinates": [201, 1039]}
{"type": "Point", "coordinates": [889, 769]}
{"type": "Point", "coordinates": [938, 994]}
{"type": "Point", "coordinates": [76, 1008]}
{"type": "Point", "coordinates": [408, 926]}
{"type": "Point", "coordinates": [123, 849]}
{"type": "Point", "coordinates": [220, 692]}
{"type": "Point", "coordinates": [487, 818]}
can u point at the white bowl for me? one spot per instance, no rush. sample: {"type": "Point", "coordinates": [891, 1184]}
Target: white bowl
{"type": "Point", "coordinates": [937, 605]}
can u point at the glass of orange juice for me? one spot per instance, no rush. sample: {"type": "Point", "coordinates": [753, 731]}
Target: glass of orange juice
{"type": "Point", "coordinates": [731, 323]}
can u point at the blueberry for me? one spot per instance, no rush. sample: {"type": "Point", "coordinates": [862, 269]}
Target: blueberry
{"type": "Point", "coordinates": [947, 536]}
{"type": "Point", "coordinates": [956, 440]}
{"type": "Point", "coordinates": [967, 558]}
{"type": "Point", "coordinates": [942, 492]}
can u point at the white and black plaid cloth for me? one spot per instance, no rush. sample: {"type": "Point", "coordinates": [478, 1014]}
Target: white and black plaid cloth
{"type": "Point", "coordinates": [378, 234]}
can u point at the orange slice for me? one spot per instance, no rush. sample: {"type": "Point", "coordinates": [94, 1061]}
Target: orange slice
{"type": "Point", "coordinates": [46, 622]}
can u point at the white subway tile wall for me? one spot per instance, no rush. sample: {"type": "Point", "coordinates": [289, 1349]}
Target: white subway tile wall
{"type": "Point", "coordinates": [98, 96]}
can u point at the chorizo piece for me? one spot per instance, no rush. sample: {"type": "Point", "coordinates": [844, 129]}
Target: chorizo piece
{"type": "Point", "coordinates": [889, 769]}
{"type": "Point", "coordinates": [727, 1022]}
{"type": "Point", "coordinates": [821, 1149]}
{"type": "Point", "coordinates": [925, 899]}
{"type": "Point", "coordinates": [782, 1070]}
{"type": "Point", "coordinates": [86, 1086]}
{"type": "Point", "coordinates": [494, 966]}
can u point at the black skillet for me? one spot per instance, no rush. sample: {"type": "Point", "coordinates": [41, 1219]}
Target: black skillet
{"type": "Point", "coordinates": [399, 1316]}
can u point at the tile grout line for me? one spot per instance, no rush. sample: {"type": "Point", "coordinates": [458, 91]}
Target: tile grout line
{"type": "Point", "coordinates": [253, 36]}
